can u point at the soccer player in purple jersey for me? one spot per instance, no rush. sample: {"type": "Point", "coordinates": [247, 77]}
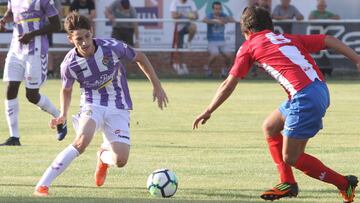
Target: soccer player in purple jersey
{"type": "Point", "coordinates": [27, 59]}
{"type": "Point", "coordinates": [96, 64]}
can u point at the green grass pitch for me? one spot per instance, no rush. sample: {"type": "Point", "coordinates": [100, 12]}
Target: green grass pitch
{"type": "Point", "coordinates": [226, 160]}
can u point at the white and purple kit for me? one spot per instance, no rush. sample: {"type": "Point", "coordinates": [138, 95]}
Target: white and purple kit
{"type": "Point", "coordinates": [28, 61]}
{"type": "Point", "coordinates": [105, 96]}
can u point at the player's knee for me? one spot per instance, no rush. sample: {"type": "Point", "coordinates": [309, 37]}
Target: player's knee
{"type": "Point", "coordinates": [289, 160]}
{"type": "Point", "coordinates": [32, 98]}
{"type": "Point", "coordinates": [267, 129]}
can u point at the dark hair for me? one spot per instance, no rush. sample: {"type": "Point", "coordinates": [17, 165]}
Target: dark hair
{"type": "Point", "coordinates": [125, 4]}
{"type": "Point", "coordinates": [215, 3]}
{"type": "Point", "coordinates": [75, 21]}
{"type": "Point", "coordinates": [256, 19]}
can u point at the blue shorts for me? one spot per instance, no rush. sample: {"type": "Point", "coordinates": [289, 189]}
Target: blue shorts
{"type": "Point", "coordinates": [304, 112]}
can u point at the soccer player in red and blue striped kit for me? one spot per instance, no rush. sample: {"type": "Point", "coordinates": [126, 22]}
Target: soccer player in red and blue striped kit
{"type": "Point", "coordinates": [288, 128]}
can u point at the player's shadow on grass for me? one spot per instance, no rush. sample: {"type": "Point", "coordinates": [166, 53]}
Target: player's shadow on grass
{"type": "Point", "coordinates": [71, 186]}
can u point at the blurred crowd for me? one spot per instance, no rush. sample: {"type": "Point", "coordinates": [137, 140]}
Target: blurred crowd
{"type": "Point", "coordinates": [182, 9]}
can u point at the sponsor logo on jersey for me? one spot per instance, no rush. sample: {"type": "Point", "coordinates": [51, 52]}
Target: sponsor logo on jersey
{"type": "Point", "coordinates": [106, 61]}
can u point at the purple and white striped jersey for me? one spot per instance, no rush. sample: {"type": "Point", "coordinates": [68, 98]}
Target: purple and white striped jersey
{"type": "Point", "coordinates": [30, 15]}
{"type": "Point", "coordinates": [102, 77]}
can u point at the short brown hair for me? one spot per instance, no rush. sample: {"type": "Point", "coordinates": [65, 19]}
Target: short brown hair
{"type": "Point", "coordinates": [256, 19]}
{"type": "Point", "coordinates": [75, 21]}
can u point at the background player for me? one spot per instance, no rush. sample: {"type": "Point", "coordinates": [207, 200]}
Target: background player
{"type": "Point", "coordinates": [287, 59]}
{"type": "Point", "coordinates": [105, 100]}
{"type": "Point", "coordinates": [27, 59]}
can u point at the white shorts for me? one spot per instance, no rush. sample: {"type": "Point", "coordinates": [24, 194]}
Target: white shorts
{"type": "Point", "coordinates": [113, 123]}
{"type": "Point", "coordinates": [216, 47]}
{"type": "Point", "coordinates": [31, 68]}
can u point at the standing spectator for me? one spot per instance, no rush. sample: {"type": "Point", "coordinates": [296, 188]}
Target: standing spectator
{"type": "Point", "coordinates": [216, 21]}
{"type": "Point", "coordinates": [84, 7]}
{"type": "Point", "coordinates": [183, 9]}
{"type": "Point", "coordinates": [123, 31]}
{"type": "Point", "coordinates": [322, 13]}
{"type": "Point", "coordinates": [51, 66]}
{"type": "Point", "coordinates": [285, 11]}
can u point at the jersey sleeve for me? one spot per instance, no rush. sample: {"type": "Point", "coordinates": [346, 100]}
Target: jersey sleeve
{"type": "Point", "coordinates": [313, 43]}
{"type": "Point", "coordinates": [66, 77]}
{"type": "Point", "coordinates": [243, 62]}
{"type": "Point", "coordinates": [173, 6]}
{"type": "Point", "coordinates": [133, 13]}
{"type": "Point", "coordinates": [297, 12]}
{"type": "Point", "coordinates": [49, 8]}
{"type": "Point", "coordinates": [124, 51]}
{"type": "Point", "coordinates": [193, 6]}
{"type": "Point", "coordinates": [9, 5]}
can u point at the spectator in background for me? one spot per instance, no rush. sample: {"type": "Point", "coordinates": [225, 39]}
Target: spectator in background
{"type": "Point", "coordinates": [85, 8]}
{"type": "Point", "coordinates": [285, 11]}
{"type": "Point", "coordinates": [65, 7]}
{"type": "Point", "coordinates": [123, 31]}
{"type": "Point", "coordinates": [216, 21]}
{"type": "Point", "coordinates": [322, 13]}
{"type": "Point", "coordinates": [51, 66]}
{"type": "Point", "coordinates": [183, 9]}
{"type": "Point", "coordinates": [265, 4]}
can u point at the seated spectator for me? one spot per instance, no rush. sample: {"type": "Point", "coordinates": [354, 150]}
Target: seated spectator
{"type": "Point", "coordinates": [322, 13]}
{"type": "Point", "coordinates": [265, 4]}
{"type": "Point", "coordinates": [65, 7]}
{"type": "Point", "coordinates": [285, 11]}
{"type": "Point", "coordinates": [216, 21]}
{"type": "Point", "coordinates": [84, 7]}
{"type": "Point", "coordinates": [123, 31]}
{"type": "Point", "coordinates": [183, 9]}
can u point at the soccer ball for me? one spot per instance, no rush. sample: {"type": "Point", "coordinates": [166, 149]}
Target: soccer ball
{"type": "Point", "coordinates": [162, 183]}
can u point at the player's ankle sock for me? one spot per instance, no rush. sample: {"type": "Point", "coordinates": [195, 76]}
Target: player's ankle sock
{"type": "Point", "coordinates": [275, 144]}
{"type": "Point", "coordinates": [46, 105]}
{"type": "Point", "coordinates": [61, 162]}
{"type": "Point", "coordinates": [314, 168]}
{"type": "Point", "coordinates": [12, 113]}
{"type": "Point", "coordinates": [106, 157]}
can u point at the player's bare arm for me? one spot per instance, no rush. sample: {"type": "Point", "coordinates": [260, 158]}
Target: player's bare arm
{"type": "Point", "coordinates": [214, 21]}
{"type": "Point", "coordinates": [334, 43]}
{"type": "Point", "coordinates": [8, 17]}
{"type": "Point", "coordinates": [65, 100]}
{"type": "Point", "coordinates": [158, 92]}
{"type": "Point", "coordinates": [176, 15]}
{"type": "Point", "coordinates": [222, 94]}
{"type": "Point", "coordinates": [53, 26]}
